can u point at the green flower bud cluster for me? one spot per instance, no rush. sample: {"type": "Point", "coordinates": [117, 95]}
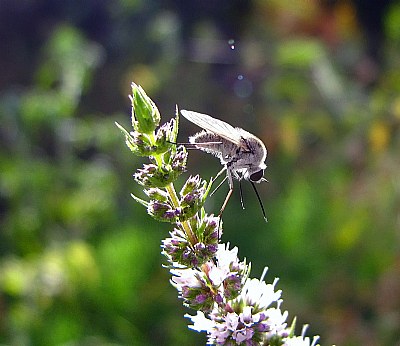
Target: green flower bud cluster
{"type": "Point", "coordinates": [162, 211]}
{"type": "Point", "coordinates": [208, 229]}
{"type": "Point", "coordinates": [193, 195]}
{"type": "Point", "coordinates": [160, 206]}
{"type": "Point", "coordinates": [146, 139]}
{"type": "Point", "coordinates": [157, 142]}
{"type": "Point", "coordinates": [167, 162]}
{"type": "Point", "coordinates": [172, 165]}
{"type": "Point", "coordinates": [179, 251]}
{"type": "Point", "coordinates": [199, 298]}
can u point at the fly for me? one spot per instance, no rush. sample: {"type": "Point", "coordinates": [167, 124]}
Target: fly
{"type": "Point", "coordinates": [241, 153]}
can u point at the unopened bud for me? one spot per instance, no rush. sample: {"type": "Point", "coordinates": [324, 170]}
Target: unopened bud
{"type": "Point", "coordinates": [145, 114]}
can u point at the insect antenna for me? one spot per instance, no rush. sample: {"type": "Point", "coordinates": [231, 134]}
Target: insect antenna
{"type": "Point", "coordinates": [259, 201]}
{"type": "Point", "coordinates": [241, 194]}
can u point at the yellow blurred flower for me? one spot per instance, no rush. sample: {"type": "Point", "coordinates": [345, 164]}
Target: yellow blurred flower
{"type": "Point", "coordinates": [379, 136]}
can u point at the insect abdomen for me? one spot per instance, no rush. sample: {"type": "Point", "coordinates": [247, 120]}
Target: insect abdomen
{"type": "Point", "coordinates": [213, 144]}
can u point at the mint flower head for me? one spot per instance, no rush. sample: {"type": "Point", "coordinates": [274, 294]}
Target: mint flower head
{"type": "Point", "coordinates": [232, 308]}
{"type": "Point", "coordinates": [249, 319]}
{"type": "Point", "coordinates": [203, 288]}
{"type": "Point", "coordinates": [182, 253]}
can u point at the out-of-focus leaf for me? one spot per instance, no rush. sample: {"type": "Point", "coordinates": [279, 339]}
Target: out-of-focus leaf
{"type": "Point", "coordinates": [299, 53]}
{"type": "Point", "coordinates": [392, 22]}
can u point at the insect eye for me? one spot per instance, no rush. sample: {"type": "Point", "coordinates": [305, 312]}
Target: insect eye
{"type": "Point", "coordinates": [257, 176]}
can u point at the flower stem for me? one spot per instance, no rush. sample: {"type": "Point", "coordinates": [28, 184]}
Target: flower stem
{"type": "Point", "coordinates": [175, 201]}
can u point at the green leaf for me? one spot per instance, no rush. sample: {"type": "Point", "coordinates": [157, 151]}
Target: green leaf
{"type": "Point", "coordinates": [139, 143]}
{"type": "Point", "coordinates": [293, 327]}
{"type": "Point", "coordinates": [139, 200]}
{"type": "Point", "coordinates": [299, 53]}
{"type": "Point", "coordinates": [175, 127]}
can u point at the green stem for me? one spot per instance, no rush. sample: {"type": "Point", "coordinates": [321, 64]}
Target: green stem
{"type": "Point", "coordinates": [186, 226]}
{"type": "Point", "coordinates": [158, 159]}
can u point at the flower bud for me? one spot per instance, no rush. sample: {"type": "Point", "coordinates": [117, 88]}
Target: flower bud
{"type": "Point", "coordinates": [144, 176]}
{"type": "Point", "coordinates": [198, 298]}
{"type": "Point", "coordinates": [192, 194]}
{"type": "Point", "coordinates": [165, 137]}
{"type": "Point", "coordinates": [212, 230]}
{"type": "Point", "coordinates": [161, 211]}
{"type": "Point", "coordinates": [157, 194]}
{"type": "Point", "coordinates": [179, 250]}
{"type": "Point", "coordinates": [232, 286]}
{"type": "Point", "coordinates": [152, 175]}
{"type": "Point", "coordinates": [192, 183]}
{"type": "Point", "coordinates": [145, 114]}
{"type": "Point", "coordinates": [138, 143]}
{"type": "Point", "coordinates": [179, 160]}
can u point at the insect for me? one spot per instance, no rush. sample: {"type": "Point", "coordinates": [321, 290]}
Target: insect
{"type": "Point", "coordinates": [241, 153]}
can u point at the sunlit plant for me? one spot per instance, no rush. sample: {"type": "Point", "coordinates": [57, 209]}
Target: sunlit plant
{"type": "Point", "coordinates": [231, 307]}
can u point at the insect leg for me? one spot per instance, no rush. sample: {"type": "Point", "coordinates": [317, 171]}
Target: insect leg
{"type": "Point", "coordinates": [190, 145]}
{"type": "Point", "coordinates": [186, 145]}
{"type": "Point", "coordinates": [216, 177]}
{"type": "Point", "coordinates": [200, 145]}
{"type": "Point", "coordinates": [223, 208]}
{"type": "Point", "coordinates": [219, 185]}
{"type": "Point", "coordinates": [225, 202]}
{"type": "Point", "coordinates": [230, 182]}
{"type": "Point", "coordinates": [219, 173]}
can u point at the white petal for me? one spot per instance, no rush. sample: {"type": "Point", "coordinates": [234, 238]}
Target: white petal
{"type": "Point", "coordinates": [225, 257]}
{"type": "Point", "coordinates": [200, 322]}
{"type": "Point", "coordinates": [186, 277]}
{"type": "Point", "coordinates": [258, 292]}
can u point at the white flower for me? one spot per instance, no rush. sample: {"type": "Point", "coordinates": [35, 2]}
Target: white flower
{"type": "Point", "coordinates": [200, 322]}
{"type": "Point", "coordinates": [232, 321]}
{"type": "Point", "coordinates": [276, 321]}
{"type": "Point", "coordinates": [186, 277]}
{"type": "Point", "coordinates": [227, 262]}
{"type": "Point", "coordinates": [248, 319]}
{"type": "Point", "coordinates": [226, 257]}
{"type": "Point", "coordinates": [258, 293]}
{"type": "Point", "coordinates": [300, 341]}
{"type": "Point", "coordinates": [216, 274]}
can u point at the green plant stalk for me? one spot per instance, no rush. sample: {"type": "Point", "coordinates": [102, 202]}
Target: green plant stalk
{"type": "Point", "coordinates": [175, 201]}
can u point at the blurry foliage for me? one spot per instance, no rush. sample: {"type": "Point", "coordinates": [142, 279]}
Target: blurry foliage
{"type": "Point", "coordinates": [80, 261]}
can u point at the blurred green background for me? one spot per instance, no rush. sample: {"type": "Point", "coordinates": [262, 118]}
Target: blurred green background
{"type": "Point", "coordinates": [318, 81]}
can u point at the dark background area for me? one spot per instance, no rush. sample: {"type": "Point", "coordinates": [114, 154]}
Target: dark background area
{"type": "Point", "coordinates": [317, 81]}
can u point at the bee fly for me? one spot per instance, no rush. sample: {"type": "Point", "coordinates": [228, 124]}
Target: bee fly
{"type": "Point", "coordinates": [242, 154]}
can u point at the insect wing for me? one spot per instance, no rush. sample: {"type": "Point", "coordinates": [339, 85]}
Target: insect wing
{"type": "Point", "coordinates": [215, 126]}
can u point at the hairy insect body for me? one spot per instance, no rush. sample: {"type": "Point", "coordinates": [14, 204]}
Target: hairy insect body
{"type": "Point", "coordinates": [241, 153]}
{"type": "Point", "coordinates": [215, 145]}
{"type": "Point", "coordinates": [238, 159]}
